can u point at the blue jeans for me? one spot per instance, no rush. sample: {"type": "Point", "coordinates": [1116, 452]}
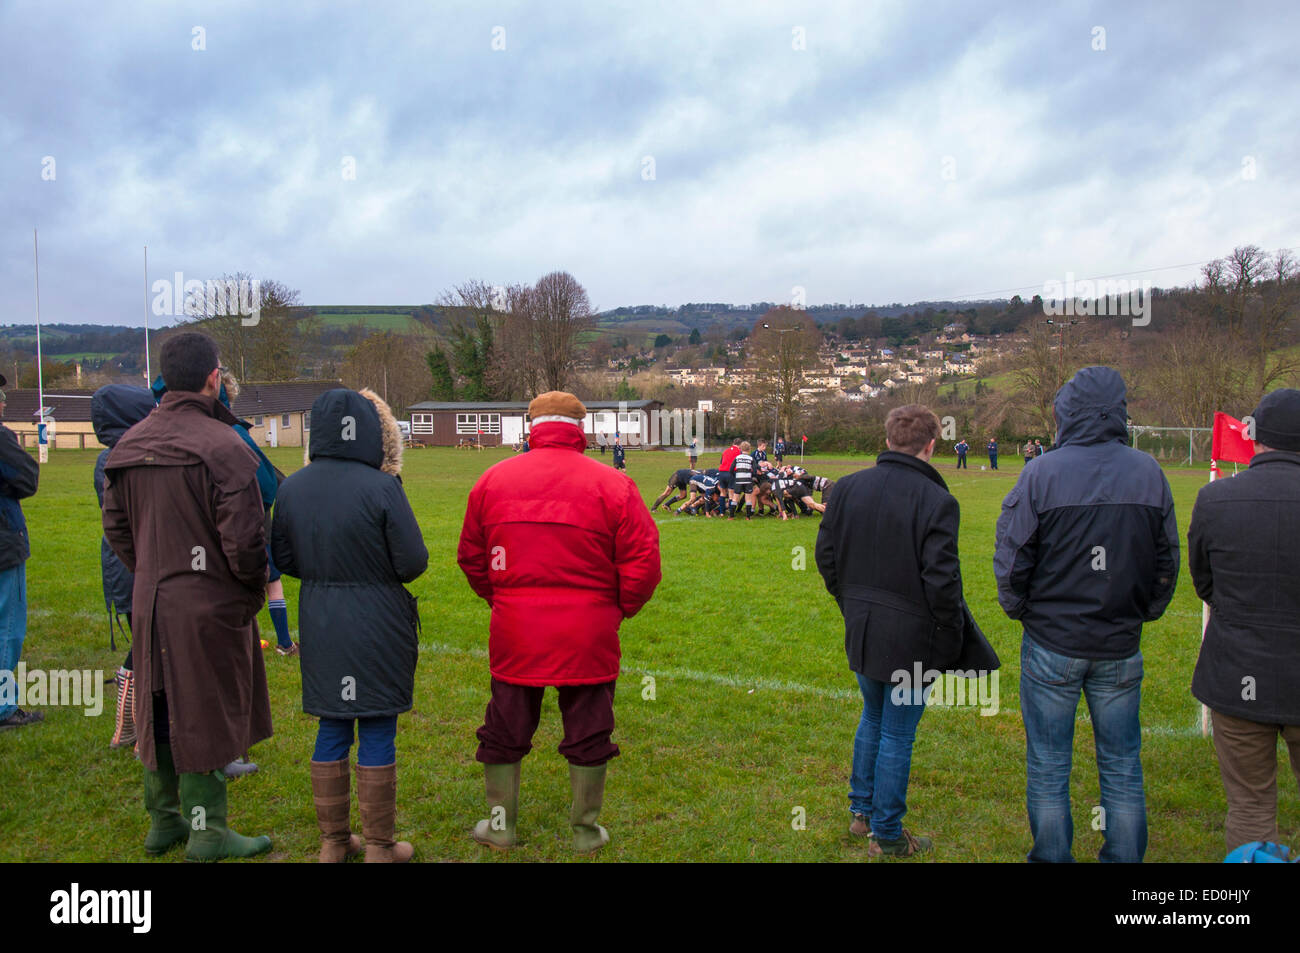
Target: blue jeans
{"type": "Point", "coordinates": [882, 754]}
{"type": "Point", "coordinates": [378, 740]}
{"type": "Point", "coordinates": [1049, 697]}
{"type": "Point", "coordinates": [13, 630]}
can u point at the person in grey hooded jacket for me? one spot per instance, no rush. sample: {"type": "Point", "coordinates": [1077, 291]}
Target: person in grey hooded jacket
{"type": "Point", "coordinates": [1087, 551]}
{"type": "Point", "coordinates": [344, 527]}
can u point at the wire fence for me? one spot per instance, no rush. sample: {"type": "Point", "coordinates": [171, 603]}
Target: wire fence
{"type": "Point", "coordinates": [1189, 445]}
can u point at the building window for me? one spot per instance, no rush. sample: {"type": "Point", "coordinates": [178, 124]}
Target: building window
{"type": "Point", "coordinates": [257, 421]}
{"type": "Point", "coordinates": [284, 421]}
{"type": "Point", "coordinates": [422, 423]}
{"type": "Point", "coordinates": [474, 424]}
{"type": "Point", "coordinates": [306, 421]}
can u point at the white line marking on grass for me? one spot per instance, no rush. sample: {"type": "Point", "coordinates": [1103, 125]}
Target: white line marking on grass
{"type": "Point", "coordinates": [780, 685]}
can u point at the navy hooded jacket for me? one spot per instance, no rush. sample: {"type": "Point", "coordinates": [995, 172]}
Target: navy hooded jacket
{"type": "Point", "coordinates": [1087, 543]}
{"type": "Point", "coordinates": [115, 409]}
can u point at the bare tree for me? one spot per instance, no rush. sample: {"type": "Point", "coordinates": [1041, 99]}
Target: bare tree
{"type": "Point", "coordinates": [1196, 370]}
{"type": "Point", "coordinates": [514, 372]}
{"type": "Point", "coordinates": [392, 365]}
{"type": "Point", "coordinates": [784, 344]}
{"type": "Point", "coordinates": [560, 312]}
{"type": "Point", "coordinates": [1253, 297]}
{"type": "Point", "coordinates": [261, 346]}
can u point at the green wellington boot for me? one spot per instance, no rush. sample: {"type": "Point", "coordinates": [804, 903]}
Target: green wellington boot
{"type": "Point", "coordinates": [203, 800]}
{"type": "Point", "coordinates": [162, 800]}
{"type": "Point", "coordinates": [588, 784]}
{"type": "Point", "coordinates": [497, 830]}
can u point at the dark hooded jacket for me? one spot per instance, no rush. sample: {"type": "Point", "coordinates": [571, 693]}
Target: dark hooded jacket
{"type": "Point", "coordinates": [344, 527]}
{"type": "Point", "coordinates": [115, 409]}
{"type": "Point", "coordinates": [19, 474]}
{"type": "Point", "coordinates": [1087, 543]}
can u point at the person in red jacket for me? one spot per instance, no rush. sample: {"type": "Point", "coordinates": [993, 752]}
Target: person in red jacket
{"type": "Point", "coordinates": [563, 549]}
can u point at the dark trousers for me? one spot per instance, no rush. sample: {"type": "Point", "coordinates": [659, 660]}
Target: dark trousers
{"type": "Point", "coordinates": [514, 711]}
{"type": "Point", "coordinates": [162, 734]}
{"type": "Point", "coordinates": [378, 740]}
{"type": "Point", "coordinates": [961, 462]}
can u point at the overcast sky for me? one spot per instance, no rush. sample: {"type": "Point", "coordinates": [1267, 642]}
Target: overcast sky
{"type": "Point", "coordinates": [660, 152]}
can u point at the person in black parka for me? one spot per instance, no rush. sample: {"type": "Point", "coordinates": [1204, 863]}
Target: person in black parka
{"type": "Point", "coordinates": [115, 409]}
{"type": "Point", "coordinates": [344, 527]}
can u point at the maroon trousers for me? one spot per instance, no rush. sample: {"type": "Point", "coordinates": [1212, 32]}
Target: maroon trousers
{"type": "Point", "coordinates": [513, 713]}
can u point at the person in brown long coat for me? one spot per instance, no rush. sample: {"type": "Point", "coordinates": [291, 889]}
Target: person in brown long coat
{"type": "Point", "coordinates": [182, 510]}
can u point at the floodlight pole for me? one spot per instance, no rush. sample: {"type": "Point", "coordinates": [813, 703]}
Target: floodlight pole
{"type": "Point", "coordinates": [40, 380]}
{"type": "Point", "coordinates": [148, 376]}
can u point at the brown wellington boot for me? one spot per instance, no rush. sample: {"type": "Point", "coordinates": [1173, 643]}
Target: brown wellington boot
{"type": "Point", "coordinates": [331, 792]}
{"type": "Point", "coordinates": [377, 795]}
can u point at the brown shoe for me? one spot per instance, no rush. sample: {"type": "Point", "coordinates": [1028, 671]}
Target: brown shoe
{"type": "Point", "coordinates": [331, 793]}
{"type": "Point", "coordinates": [377, 795]}
{"type": "Point", "coordinates": [905, 846]}
{"type": "Point", "coordinates": [861, 826]}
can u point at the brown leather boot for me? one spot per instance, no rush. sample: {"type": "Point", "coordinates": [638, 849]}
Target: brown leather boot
{"type": "Point", "coordinates": [332, 795]}
{"type": "Point", "coordinates": [377, 795]}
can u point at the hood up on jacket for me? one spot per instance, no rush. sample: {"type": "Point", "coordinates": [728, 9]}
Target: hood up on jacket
{"type": "Point", "coordinates": [1092, 408]}
{"type": "Point", "coordinates": [346, 426]}
{"type": "Point", "coordinates": [116, 408]}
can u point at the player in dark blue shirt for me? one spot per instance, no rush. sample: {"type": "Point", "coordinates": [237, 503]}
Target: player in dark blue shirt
{"type": "Point", "coordinates": [678, 483]}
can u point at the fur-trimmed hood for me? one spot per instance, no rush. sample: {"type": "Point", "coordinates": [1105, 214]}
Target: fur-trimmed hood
{"type": "Point", "coordinates": [393, 443]}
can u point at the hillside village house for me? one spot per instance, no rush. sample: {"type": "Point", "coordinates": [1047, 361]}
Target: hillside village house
{"type": "Point", "coordinates": [280, 413]}
{"type": "Point", "coordinates": [504, 423]}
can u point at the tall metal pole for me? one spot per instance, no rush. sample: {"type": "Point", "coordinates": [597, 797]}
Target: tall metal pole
{"type": "Point", "coordinates": [40, 380]}
{"type": "Point", "coordinates": [148, 371]}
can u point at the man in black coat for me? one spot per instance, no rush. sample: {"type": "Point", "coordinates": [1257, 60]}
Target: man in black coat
{"type": "Point", "coordinates": [1243, 547]}
{"type": "Point", "coordinates": [1087, 551]}
{"type": "Point", "coordinates": [887, 550]}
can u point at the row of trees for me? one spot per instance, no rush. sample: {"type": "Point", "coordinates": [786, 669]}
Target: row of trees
{"type": "Point", "coordinates": [510, 342]}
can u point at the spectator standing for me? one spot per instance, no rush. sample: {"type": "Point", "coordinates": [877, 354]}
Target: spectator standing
{"type": "Point", "coordinates": [559, 590]}
{"type": "Point", "coordinates": [1087, 551]}
{"type": "Point", "coordinates": [887, 551]}
{"type": "Point", "coordinates": [344, 527]}
{"type": "Point", "coordinates": [183, 511]}
{"type": "Point", "coordinates": [19, 476]}
{"type": "Point", "coordinates": [1243, 547]}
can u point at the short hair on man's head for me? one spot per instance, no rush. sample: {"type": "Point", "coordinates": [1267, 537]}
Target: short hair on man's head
{"type": "Point", "coordinates": [187, 359]}
{"type": "Point", "coordinates": [744, 446]}
{"type": "Point", "coordinates": [910, 428]}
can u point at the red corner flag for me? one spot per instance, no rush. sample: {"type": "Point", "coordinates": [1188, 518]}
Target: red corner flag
{"type": "Point", "coordinates": [805, 438]}
{"type": "Point", "coordinates": [1230, 442]}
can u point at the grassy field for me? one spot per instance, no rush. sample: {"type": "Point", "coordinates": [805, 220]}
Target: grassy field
{"type": "Point", "coordinates": [750, 726]}
{"type": "Point", "coordinates": [379, 321]}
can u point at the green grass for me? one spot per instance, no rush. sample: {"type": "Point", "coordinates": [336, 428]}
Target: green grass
{"type": "Point", "coordinates": [753, 714]}
{"type": "Point", "coordinates": [82, 356]}
{"type": "Point", "coordinates": [380, 321]}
